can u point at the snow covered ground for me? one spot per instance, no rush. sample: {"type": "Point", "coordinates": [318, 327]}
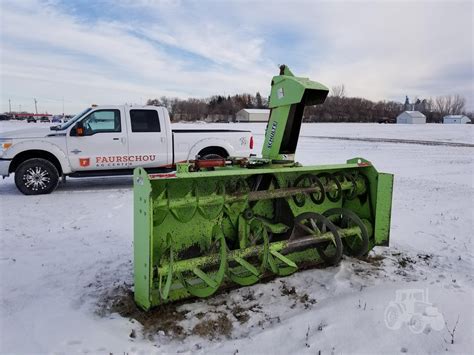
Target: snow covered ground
{"type": "Point", "coordinates": [64, 256]}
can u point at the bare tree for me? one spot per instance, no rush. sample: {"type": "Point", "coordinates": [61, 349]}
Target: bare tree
{"type": "Point", "coordinates": [338, 91]}
{"type": "Point", "coordinates": [153, 102]}
{"type": "Point", "coordinates": [166, 102]}
{"type": "Point", "coordinates": [449, 104]}
{"type": "Point", "coordinates": [458, 104]}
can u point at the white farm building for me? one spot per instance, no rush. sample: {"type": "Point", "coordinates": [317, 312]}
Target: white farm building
{"type": "Point", "coordinates": [456, 119]}
{"type": "Point", "coordinates": [252, 115]}
{"type": "Point", "coordinates": [411, 117]}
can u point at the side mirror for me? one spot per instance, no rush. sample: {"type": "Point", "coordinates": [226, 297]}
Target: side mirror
{"type": "Point", "coordinates": [79, 129]}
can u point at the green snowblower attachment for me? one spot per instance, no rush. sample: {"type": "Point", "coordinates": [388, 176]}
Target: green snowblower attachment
{"type": "Point", "coordinates": [219, 223]}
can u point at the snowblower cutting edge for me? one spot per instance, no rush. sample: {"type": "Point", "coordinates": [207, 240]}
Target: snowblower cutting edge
{"type": "Point", "coordinates": [217, 223]}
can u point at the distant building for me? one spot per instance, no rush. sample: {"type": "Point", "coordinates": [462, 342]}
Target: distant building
{"type": "Point", "coordinates": [411, 117]}
{"type": "Point", "coordinates": [252, 115]}
{"type": "Point", "coordinates": [407, 105]}
{"type": "Point", "coordinates": [421, 105]}
{"type": "Point", "coordinates": [456, 119]}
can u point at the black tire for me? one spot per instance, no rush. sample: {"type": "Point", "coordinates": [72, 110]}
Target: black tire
{"type": "Point", "coordinates": [36, 177]}
{"type": "Point", "coordinates": [212, 156]}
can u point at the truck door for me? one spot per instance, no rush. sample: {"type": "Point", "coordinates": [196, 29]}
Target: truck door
{"type": "Point", "coordinates": [103, 145]}
{"type": "Point", "coordinates": [148, 144]}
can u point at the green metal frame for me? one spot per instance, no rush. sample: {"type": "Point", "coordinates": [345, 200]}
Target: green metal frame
{"type": "Point", "coordinates": [289, 95]}
{"type": "Point", "coordinates": [198, 231]}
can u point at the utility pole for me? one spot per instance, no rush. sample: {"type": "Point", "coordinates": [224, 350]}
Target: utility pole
{"type": "Point", "coordinates": [10, 105]}
{"type": "Point", "coordinates": [63, 107]}
{"type": "Point", "coordinates": [36, 107]}
{"type": "Point", "coordinates": [19, 108]}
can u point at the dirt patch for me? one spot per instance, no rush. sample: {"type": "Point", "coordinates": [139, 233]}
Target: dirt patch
{"type": "Point", "coordinates": [306, 300]}
{"type": "Point", "coordinates": [376, 259]}
{"type": "Point", "coordinates": [249, 296]}
{"type": "Point", "coordinates": [298, 297]}
{"type": "Point", "coordinates": [268, 321]}
{"type": "Point", "coordinates": [241, 314]}
{"type": "Point", "coordinates": [164, 318]}
{"type": "Point", "coordinates": [406, 261]}
{"type": "Point", "coordinates": [412, 267]}
{"type": "Point", "coordinates": [426, 258]}
{"type": "Point", "coordinates": [369, 266]}
{"type": "Point", "coordinates": [285, 291]}
{"type": "Point", "coordinates": [213, 320]}
{"type": "Point", "coordinates": [200, 315]}
{"type": "Point", "coordinates": [214, 328]}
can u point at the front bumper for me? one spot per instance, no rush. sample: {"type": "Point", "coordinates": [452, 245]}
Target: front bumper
{"type": "Point", "coordinates": [4, 166]}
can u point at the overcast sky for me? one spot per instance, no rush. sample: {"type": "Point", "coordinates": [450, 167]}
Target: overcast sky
{"type": "Point", "coordinates": [117, 51]}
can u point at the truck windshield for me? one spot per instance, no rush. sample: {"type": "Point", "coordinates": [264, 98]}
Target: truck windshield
{"type": "Point", "coordinates": [71, 121]}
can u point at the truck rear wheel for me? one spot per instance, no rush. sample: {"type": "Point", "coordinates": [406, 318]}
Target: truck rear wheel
{"type": "Point", "coordinates": [212, 156]}
{"type": "Point", "coordinates": [36, 176]}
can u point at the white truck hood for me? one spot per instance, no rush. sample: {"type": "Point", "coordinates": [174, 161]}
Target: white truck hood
{"type": "Point", "coordinates": [37, 132]}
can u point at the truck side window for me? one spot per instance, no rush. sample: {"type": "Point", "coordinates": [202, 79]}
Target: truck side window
{"type": "Point", "coordinates": [144, 121]}
{"type": "Point", "coordinates": [102, 121]}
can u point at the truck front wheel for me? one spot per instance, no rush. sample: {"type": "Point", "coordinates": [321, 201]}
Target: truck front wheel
{"type": "Point", "coordinates": [36, 176]}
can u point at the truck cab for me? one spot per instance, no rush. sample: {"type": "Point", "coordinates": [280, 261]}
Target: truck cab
{"type": "Point", "coordinates": [112, 137]}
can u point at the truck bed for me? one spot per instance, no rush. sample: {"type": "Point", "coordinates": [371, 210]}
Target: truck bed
{"type": "Point", "coordinates": [184, 147]}
{"type": "Point", "coordinates": [206, 130]}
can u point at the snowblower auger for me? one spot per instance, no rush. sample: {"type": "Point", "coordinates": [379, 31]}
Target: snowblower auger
{"type": "Point", "coordinates": [217, 223]}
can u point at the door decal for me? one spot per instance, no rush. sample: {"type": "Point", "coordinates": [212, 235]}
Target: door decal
{"type": "Point", "coordinates": [84, 162]}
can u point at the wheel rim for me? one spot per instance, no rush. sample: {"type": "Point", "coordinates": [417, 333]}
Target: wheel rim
{"type": "Point", "coordinates": [301, 181]}
{"type": "Point", "coordinates": [36, 178]}
{"type": "Point", "coordinates": [314, 224]}
{"type": "Point", "coordinates": [209, 282]}
{"type": "Point", "coordinates": [345, 176]}
{"type": "Point", "coordinates": [240, 187]}
{"type": "Point", "coordinates": [357, 245]}
{"type": "Point", "coordinates": [308, 180]}
{"type": "Point", "coordinates": [244, 272]}
{"type": "Point", "coordinates": [326, 179]}
{"type": "Point", "coordinates": [317, 197]}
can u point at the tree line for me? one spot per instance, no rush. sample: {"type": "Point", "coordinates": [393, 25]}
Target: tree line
{"type": "Point", "coordinates": [337, 108]}
{"type": "Point", "coordinates": [216, 108]}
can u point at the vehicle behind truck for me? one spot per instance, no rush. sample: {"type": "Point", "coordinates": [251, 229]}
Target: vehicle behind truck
{"type": "Point", "coordinates": [110, 140]}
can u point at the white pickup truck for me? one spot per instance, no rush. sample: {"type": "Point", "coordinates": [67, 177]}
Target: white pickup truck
{"type": "Point", "coordinates": [110, 140]}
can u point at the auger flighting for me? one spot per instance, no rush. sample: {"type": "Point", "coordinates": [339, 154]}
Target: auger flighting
{"type": "Point", "coordinates": [217, 223]}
